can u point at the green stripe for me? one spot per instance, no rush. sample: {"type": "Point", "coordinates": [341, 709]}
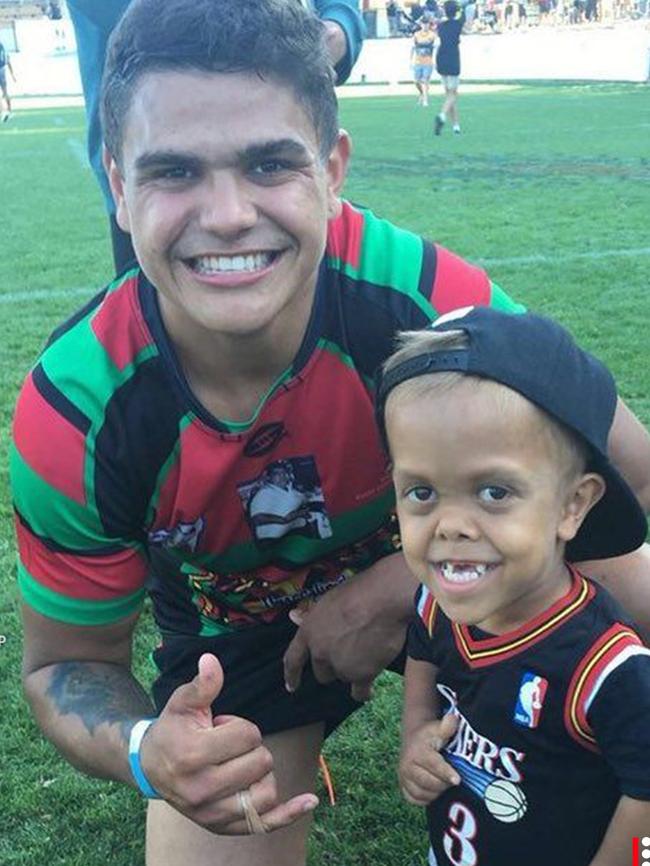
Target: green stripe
{"type": "Point", "coordinates": [301, 550]}
{"type": "Point", "coordinates": [500, 301]}
{"type": "Point", "coordinates": [51, 513]}
{"type": "Point", "coordinates": [74, 610]}
{"type": "Point", "coordinates": [389, 256]}
{"type": "Point", "coordinates": [167, 466]}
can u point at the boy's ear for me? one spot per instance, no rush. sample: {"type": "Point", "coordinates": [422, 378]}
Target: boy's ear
{"type": "Point", "coordinates": [116, 183]}
{"type": "Point", "coordinates": [581, 497]}
{"type": "Point", "coordinates": [336, 168]}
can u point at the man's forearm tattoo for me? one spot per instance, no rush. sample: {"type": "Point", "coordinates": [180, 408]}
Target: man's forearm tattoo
{"type": "Point", "coordinates": [98, 694]}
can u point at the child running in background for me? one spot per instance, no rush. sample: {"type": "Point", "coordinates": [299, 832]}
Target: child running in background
{"type": "Point", "coordinates": [527, 691]}
{"type": "Point", "coordinates": [448, 64]}
{"type": "Point", "coordinates": [422, 57]}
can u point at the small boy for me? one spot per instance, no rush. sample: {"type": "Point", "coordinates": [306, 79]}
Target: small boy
{"type": "Point", "coordinates": [527, 692]}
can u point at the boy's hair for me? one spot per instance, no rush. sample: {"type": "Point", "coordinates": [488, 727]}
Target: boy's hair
{"type": "Point", "coordinates": [571, 449]}
{"type": "Point", "coordinates": [451, 8]}
{"type": "Point", "coordinates": [274, 39]}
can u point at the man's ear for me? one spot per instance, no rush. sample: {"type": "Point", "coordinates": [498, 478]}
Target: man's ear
{"type": "Point", "coordinates": [116, 183]}
{"type": "Point", "coordinates": [336, 168]}
{"type": "Point", "coordinates": [581, 497]}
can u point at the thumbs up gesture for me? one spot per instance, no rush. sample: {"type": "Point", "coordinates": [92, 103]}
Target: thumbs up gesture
{"type": "Point", "coordinates": [423, 772]}
{"type": "Point", "coordinates": [215, 771]}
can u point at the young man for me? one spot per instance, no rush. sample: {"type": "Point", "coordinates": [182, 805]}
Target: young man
{"type": "Point", "coordinates": [422, 57]}
{"type": "Point", "coordinates": [247, 341]}
{"type": "Point", "coordinates": [93, 23]}
{"type": "Point", "coordinates": [5, 63]}
{"type": "Point", "coordinates": [542, 685]}
{"type": "Point", "coordinates": [448, 64]}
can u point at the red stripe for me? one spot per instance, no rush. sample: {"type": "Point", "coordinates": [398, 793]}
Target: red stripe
{"type": "Point", "coordinates": [599, 656]}
{"type": "Point", "coordinates": [636, 852]}
{"type": "Point", "coordinates": [50, 444]}
{"type": "Point", "coordinates": [344, 236]}
{"type": "Point", "coordinates": [457, 283]}
{"type": "Point", "coordinates": [122, 334]}
{"type": "Point", "coordinates": [92, 578]}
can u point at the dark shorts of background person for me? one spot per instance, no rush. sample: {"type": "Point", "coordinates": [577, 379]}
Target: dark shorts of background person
{"type": "Point", "coordinates": [254, 679]}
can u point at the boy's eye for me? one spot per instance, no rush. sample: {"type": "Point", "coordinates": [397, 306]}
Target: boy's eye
{"type": "Point", "coordinates": [421, 493]}
{"type": "Point", "coordinates": [493, 493]}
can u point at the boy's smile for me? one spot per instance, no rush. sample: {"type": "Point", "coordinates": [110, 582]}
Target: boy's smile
{"type": "Point", "coordinates": [484, 501]}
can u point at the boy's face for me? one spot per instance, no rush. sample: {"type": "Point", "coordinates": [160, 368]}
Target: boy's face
{"type": "Point", "coordinates": [227, 200]}
{"type": "Point", "coordinates": [484, 501]}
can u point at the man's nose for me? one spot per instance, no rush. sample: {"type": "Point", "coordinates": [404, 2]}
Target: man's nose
{"type": "Point", "coordinates": [227, 205]}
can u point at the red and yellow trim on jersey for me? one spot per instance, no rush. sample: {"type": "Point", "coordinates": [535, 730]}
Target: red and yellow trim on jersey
{"type": "Point", "coordinates": [427, 607]}
{"type": "Point", "coordinates": [481, 653]}
{"type": "Point", "coordinates": [610, 650]}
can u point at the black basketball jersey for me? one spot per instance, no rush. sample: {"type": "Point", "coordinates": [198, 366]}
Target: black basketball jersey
{"type": "Point", "coordinates": [552, 730]}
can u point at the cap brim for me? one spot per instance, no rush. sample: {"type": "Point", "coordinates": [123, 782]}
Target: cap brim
{"type": "Point", "coordinates": [615, 525]}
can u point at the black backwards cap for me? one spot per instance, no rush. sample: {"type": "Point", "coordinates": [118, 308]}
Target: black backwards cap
{"type": "Point", "coordinates": [539, 359]}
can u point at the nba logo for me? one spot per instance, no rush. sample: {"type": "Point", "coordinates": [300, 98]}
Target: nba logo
{"type": "Point", "coordinates": [530, 700]}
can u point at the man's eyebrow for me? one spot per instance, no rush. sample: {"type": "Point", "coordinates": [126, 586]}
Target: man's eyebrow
{"type": "Point", "coordinates": [264, 149]}
{"type": "Point", "coordinates": [155, 159]}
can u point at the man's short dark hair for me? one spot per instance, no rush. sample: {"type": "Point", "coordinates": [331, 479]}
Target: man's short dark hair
{"type": "Point", "coordinates": [451, 8]}
{"type": "Point", "coordinates": [275, 39]}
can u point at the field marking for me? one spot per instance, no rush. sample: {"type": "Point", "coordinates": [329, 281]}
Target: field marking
{"type": "Point", "coordinates": [542, 259]}
{"type": "Point", "coordinates": [538, 259]}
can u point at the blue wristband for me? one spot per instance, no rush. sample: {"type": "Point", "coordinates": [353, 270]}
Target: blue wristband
{"type": "Point", "coordinates": [135, 741]}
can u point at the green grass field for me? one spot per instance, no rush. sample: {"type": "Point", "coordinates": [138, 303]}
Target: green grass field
{"type": "Point", "coordinates": [547, 187]}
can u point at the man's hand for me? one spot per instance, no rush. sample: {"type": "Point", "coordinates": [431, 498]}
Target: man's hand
{"type": "Point", "coordinates": [337, 43]}
{"type": "Point", "coordinates": [423, 772]}
{"type": "Point", "coordinates": [355, 630]}
{"type": "Point", "coordinates": [200, 764]}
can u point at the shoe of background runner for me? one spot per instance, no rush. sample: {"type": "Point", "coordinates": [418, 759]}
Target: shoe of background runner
{"type": "Point", "coordinates": [456, 130]}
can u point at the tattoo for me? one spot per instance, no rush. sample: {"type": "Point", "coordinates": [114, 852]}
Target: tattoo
{"type": "Point", "coordinates": [98, 694]}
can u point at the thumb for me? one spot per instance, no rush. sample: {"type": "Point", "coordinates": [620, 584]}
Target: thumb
{"type": "Point", "coordinates": [446, 729]}
{"type": "Point", "coordinates": [202, 690]}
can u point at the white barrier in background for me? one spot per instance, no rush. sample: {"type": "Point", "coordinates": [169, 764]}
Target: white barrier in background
{"type": "Point", "coordinates": [599, 54]}
{"type": "Point", "coordinates": [47, 63]}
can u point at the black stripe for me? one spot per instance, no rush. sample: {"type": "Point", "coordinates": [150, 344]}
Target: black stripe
{"type": "Point", "coordinates": [57, 399]}
{"type": "Point", "coordinates": [429, 265]}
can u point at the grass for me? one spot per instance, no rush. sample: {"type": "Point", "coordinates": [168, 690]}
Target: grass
{"type": "Point", "coordinates": [547, 186]}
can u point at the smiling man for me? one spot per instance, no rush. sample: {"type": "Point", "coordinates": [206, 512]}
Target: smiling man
{"type": "Point", "coordinates": [151, 435]}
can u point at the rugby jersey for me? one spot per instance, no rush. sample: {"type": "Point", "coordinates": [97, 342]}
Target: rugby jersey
{"type": "Point", "coordinates": [121, 479]}
{"type": "Point", "coordinates": [552, 730]}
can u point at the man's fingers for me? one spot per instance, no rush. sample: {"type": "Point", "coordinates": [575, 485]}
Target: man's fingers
{"type": "Point", "coordinates": [295, 658]}
{"type": "Point", "coordinates": [287, 813]}
{"type": "Point", "coordinates": [201, 691]}
{"type": "Point", "coordinates": [446, 729]}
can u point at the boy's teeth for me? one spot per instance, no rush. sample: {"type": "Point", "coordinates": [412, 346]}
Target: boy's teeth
{"type": "Point", "coordinates": [219, 264]}
{"type": "Point", "coordinates": [462, 572]}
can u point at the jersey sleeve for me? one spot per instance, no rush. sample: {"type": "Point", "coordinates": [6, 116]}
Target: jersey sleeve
{"type": "Point", "coordinates": [69, 568]}
{"type": "Point", "coordinates": [609, 705]}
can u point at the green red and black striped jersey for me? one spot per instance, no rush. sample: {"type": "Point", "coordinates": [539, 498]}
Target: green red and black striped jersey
{"type": "Point", "coordinates": [552, 729]}
{"type": "Point", "coordinates": [123, 481]}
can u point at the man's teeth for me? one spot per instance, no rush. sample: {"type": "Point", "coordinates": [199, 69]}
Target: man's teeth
{"type": "Point", "coordinates": [462, 572]}
{"type": "Point", "coordinates": [219, 264]}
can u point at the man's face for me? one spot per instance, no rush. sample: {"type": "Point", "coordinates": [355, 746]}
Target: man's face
{"type": "Point", "coordinates": [226, 198]}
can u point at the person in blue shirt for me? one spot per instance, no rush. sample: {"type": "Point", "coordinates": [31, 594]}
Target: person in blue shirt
{"type": "Point", "coordinates": [93, 23]}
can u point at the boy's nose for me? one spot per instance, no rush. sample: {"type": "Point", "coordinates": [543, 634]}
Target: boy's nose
{"type": "Point", "coordinates": [455, 523]}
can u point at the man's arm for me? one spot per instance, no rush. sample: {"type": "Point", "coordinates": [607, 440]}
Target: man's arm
{"type": "Point", "coordinates": [79, 684]}
{"type": "Point", "coordinates": [345, 32]}
{"type": "Point", "coordinates": [629, 451]}
{"type": "Point", "coordinates": [631, 818]}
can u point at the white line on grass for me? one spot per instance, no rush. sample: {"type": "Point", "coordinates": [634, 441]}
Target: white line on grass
{"type": "Point", "coordinates": [540, 259]}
